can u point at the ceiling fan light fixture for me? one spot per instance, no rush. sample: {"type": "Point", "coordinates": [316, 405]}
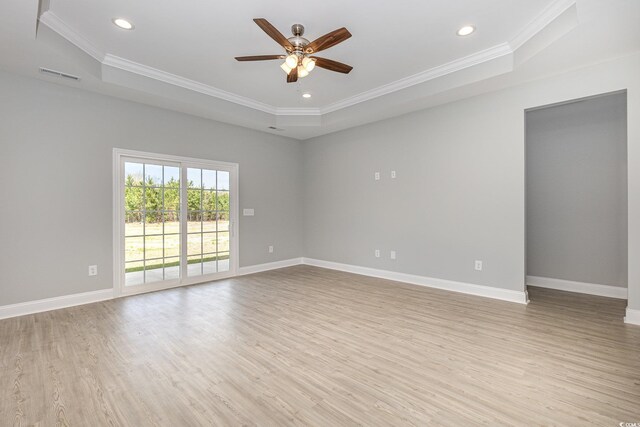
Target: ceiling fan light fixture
{"type": "Point", "coordinates": [297, 62]}
{"type": "Point", "coordinates": [308, 64]}
{"type": "Point", "coordinates": [286, 68]}
{"type": "Point", "coordinates": [292, 61]}
{"type": "Point", "coordinates": [302, 72]}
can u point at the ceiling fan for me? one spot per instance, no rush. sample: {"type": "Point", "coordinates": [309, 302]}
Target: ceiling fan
{"type": "Point", "coordinates": [298, 59]}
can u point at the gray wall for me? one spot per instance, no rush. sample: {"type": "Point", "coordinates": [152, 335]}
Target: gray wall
{"type": "Point", "coordinates": [577, 191]}
{"type": "Point", "coordinates": [457, 198]}
{"type": "Point", "coordinates": [56, 216]}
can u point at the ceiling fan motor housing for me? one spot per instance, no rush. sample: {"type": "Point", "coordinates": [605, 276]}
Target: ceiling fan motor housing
{"type": "Point", "coordinates": [298, 42]}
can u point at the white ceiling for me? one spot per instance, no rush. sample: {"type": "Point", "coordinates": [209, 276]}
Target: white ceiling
{"type": "Point", "coordinates": [406, 55]}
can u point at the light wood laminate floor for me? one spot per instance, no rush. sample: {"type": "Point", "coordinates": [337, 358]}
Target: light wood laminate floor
{"type": "Point", "coordinates": [308, 346]}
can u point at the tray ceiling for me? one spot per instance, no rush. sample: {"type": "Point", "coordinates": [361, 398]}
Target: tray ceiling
{"type": "Point", "coordinates": [181, 55]}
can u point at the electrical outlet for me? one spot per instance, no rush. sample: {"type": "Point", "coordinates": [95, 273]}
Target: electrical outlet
{"type": "Point", "coordinates": [93, 270]}
{"type": "Point", "coordinates": [392, 255]}
{"type": "Point", "coordinates": [393, 174]}
{"type": "Point", "coordinates": [376, 176]}
{"type": "Point", "coordinates": [478, 265]}
{"type": "Point", "coordinates": [271, 249]}
{"type": "Point", "coordinates": [377, 253]}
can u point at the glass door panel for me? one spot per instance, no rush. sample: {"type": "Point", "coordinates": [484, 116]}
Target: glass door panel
{"type": "Point", "coordinates": [208, 212]}
{"type": "Point", "coordinates": [152, 222]}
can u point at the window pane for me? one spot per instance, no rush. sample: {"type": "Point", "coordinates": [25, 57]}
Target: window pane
{"type": "Point", "coordinates": [209, 223]}
{"type": "Point", "coordinates": [223, 201]}
{"type": "Point", "coordinates": [171, 268]}
{"type": "Point", "coordinates": [171, 245]}
{"type": "Point", "coordinates": [133, 198]}
{"type": "Point", "coordinates": [152, 223]}
{"type": "Point", "coordinates": [223, 262]}
{"type": "Point", "coordinates": [152, 175]}
{"type": "Point", "coordinates": [133, 224]}
{"type": "Point", "coordinates": [194, 222]}
{"type": "Point", "coordinates": [152, 199]}
{"type": "Point", "coordinates": [194, 199]}
{"type": "Point", "coordinates": [193, 178]}
{"type": "Point", "coordinates": [171, 222]}
{"type": "Point", "coordinates": [208, 179]}
{"type": "Point", "coordinates": [194, 244]}
{"type": "Point", "coordinates": [132, 174]}
{"type": "Point", "coordinates": [171, 176]}
{"type": "Point", "coordinates": [209, 243]}
{"type": "Point", "coordinates": [223, 221]}
{"type": "Point", "coordinates": [209, 265]}
{"type": "Point", "coordinates": [171, 199]}
{"type": "Point", "coordinates": [152, 247]}
{"type": "Point", "coordinates": [223, 242]}
{"type": "Point", "coordinates": [134, 274]}
{"type": "Point", "coordinates": [208, 200]}
{"type": "Point", "coordinates": [223, 180]}
{"type": "Point", "coordinates": [194, 265]}
{"type": "Point", "coordinates": [153, 271]}
{"type": "Point", "coordinates": [133, 248]}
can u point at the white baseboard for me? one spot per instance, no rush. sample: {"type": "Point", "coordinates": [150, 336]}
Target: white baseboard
{"type": "Point", "coordinates": [48, 304]}
{"type": "Point", "coordinates": [55, 303]}
{"type": "Point", "coordinates": [632, 317]}
{"type": "Point", "coordinates": [447, 285]}
{"type": "Point", "coordinates": [250, 269]}
{"type": "Point", "coordinates": [580, 287]}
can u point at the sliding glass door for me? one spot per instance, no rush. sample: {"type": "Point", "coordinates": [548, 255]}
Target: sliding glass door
{"type": "Point", "coordinates": [174, 221]}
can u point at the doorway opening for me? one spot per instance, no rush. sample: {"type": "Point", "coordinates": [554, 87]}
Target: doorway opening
{"type": "Point", "coordinates": [576, 196]}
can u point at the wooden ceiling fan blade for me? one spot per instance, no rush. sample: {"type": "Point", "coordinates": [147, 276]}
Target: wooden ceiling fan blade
{"type": "Point", "coordinates": [292, 77]}
{"type": "Point", "coordinates": [259, 57]}
{"type": "Point", "coordinates": [328, 40]}
{"type": "Point", "coordinates": [273, 33]}
{"type": "Point", "coordinates": [332, 65]}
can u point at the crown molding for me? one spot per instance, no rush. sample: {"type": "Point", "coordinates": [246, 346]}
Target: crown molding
{"type": "Point", "coordinates": [298, 111]}
{"type": "Point", "coordinates": [172, 79]}
{"type": "Point", "coordinates": [52, 21]}
{"type": "Point", "coordinates": [540, 22]}
{"type": "Point", "coordinates": [547, 16]}
{"type": "Point", "coordinates": [422, 77]}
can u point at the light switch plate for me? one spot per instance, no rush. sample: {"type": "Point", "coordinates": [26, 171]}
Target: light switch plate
{"type": "Point", "coordinates": [248, 212]}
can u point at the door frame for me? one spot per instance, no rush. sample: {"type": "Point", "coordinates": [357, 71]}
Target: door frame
{"type": "Point", "coordinates": [119, 288]}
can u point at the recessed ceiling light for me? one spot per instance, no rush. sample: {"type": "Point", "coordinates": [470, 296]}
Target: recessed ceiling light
{"type": "Point", "coordinates": [466, 30]}
{"type": "Point", "coordinates": [123, 23]}
{"type": "Point", "coordinates": [306, 95]}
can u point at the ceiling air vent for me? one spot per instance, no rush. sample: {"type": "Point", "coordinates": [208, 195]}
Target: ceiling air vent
{"type": "Point", "coordinates": [55, 73]}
